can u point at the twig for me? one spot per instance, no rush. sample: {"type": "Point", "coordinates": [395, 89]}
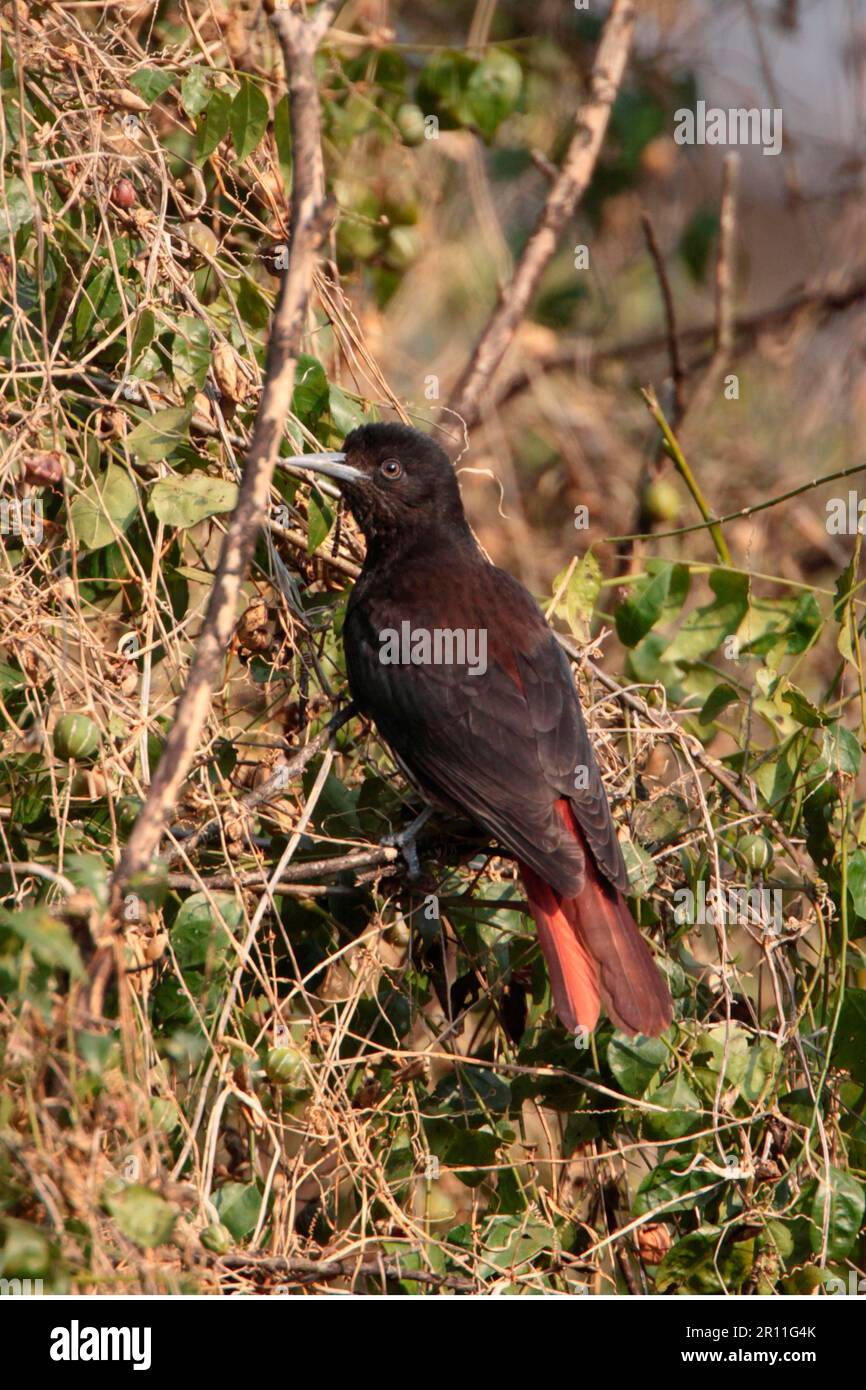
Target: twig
{"type": "Point", "coordinates": [298, 40]}
{"type": "Point", "coordinates": [683, 468]}
{"type": "Point", "coordinates": [303, 1271]}
{"type": "Point", "coordinates": [725, 274]}
{"type": "Point", "coordinates": [676, 363]}
{"type": "Point", "coordinates": [568, 356]}
{"type": "Point", "coordinates": [562, 199]}
{"type": "Point", "coordinates": [277, 783]}
{"type": "Point", "coordinates": [696, 750]}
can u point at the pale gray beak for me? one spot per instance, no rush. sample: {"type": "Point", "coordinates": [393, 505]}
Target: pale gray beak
{"type": "Point", "coordinates": [331, 463]}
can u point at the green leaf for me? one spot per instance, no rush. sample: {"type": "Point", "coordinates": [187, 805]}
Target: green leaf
{"type": "Point", "coordinates": [474, 1090]}
{"type": "Point", "coordinates": [509, 1242]}
{"type": "Point", "coordinates": [578, 599]}
{"type": "Point", "coordinates": [238, 1205]}
{"type": "Point", "coordinates": [161, 434]}
{"type": "Point", "coordinates": [635, 1062]}
{"type": "Point", "coordinates": [718, 699]}
{"type": "Point", "coordinates": [844, 585]}
{"type": "Point", "coordinates": [849, 1051]}
{"type": "Point", "coordinates": [199, 936]}
{"type": "Point", "coordinates": [151, 83]}
{"type": "Point", "coordinates": [642, 872]}
{"type": "Point", "coordinates": [442, 88]}
{"type": "Point", "coordinates": [857, 881]}
{"type": "Point", "coordinates": [98, 1051]}
{"type": "Point", "coordinates": [142, 1215]}
{"type": "Point", "coordinates": [104, 508]}
{"type": "Point", "coordinates": [704, 629]}
{"type": "Point", "coordinates": [213, 125]}
{"type": "Point", "coordinates": [17, 209]}
{"type": "Point", "coordinates": [665, 590]}
{"type": "Point", "coordinates": [840, 750]}
{"type": "Point", "coordinates": [99, 307]}
{"type": "Point", "coordinates": [196, 90]}
{"type": "Point", "coordinates": [842, 1202]}
{"type": "Point", "coordinates": [88, 871]}
{"type": "Point", "coordinates": [144, 330]}
{"type": "Point", "coordinates": [184, 502]}
{"type": "Point", "coordinates": [801, 708]}
{"type": "Point", "coordinates": [346, 413]}
{"type": "Point", "coordinates": [190, 352]}
{"type": "Point", "coordinates": [681, 1104]}
{"type": "Point", "coordinates": [670, 1180]}
{"type": "Point", "coordinates": [311, 395]}
{"type": "Point", "coordinates": [248, 117]}
{"type": "Point", "coordinates": [319, 521]}
{"type": "Point", "coordinates": [48, 939]}
{"type": "Point", "coordinates": [764, 1063]}
{"type": "Point", "coordinates": [459, 1147]}
{"type": "Point", "coordinates": [706, 1261]}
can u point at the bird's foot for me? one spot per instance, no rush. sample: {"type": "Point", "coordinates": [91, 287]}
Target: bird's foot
{"type": "Point", "coordinates": [406, 839]}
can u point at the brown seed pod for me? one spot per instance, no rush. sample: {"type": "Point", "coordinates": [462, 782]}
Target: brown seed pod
{"type": "Point", "coordinates": [43, 467]}
{"type": "Point", "coordinates": [128, 100]}
{"type": "Point", "coordinates": [653, 1242]}
{"type": "Point", "coordinates": [229, 379]}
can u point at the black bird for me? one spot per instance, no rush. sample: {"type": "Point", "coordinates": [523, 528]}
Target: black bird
{"type": "Point", "coordinates": [453, 661]}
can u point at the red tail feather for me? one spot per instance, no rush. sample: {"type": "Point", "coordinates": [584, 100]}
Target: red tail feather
{"type": "Point", "coordinates": [595, 954]}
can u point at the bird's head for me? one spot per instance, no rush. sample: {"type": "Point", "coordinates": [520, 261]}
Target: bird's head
{"type": "Point", "coordinates": [392, 478]}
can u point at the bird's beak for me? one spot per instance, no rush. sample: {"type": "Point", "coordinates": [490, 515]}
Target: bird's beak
{"type": "Point", "coordinates": [331, 463]}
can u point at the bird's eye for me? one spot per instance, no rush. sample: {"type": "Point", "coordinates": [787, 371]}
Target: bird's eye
{"type": "Point", "coordinates": [391, 468]}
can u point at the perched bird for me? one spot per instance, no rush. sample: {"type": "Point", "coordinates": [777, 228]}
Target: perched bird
{"type": "Point", "coordinates": [454, 663]}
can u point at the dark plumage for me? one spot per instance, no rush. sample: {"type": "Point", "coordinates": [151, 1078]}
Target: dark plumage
{"type": "Point", "coordinates": [505, 747]}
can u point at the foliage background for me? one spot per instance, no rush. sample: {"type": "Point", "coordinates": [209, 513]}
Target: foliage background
{"type": "Point", "coordinates": [378, 1089]}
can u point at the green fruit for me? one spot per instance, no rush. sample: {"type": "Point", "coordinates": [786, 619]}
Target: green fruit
{"type": "Point", "coordinates": [662, 501]}
{"type": "Point", "coordinates": [756, 850]}
{"type": "Point", "coordinates": [217, 1238]}
{"type": "Point", "coordinates": [75, 736]}
{"type": "Point", "coordinates": [128, 809]}
{"type": "Point", "coordinates": [493, 90]}
{"type": "Point", "coordinates": [403, 247]}
{"type": "Point", "coordinates": [285, 1066]}
{"type": "Point", "coordinates": [410, 123]}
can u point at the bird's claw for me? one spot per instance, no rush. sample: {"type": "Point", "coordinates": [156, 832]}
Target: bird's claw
{"type": "Point", "coordinates": [406, 842]}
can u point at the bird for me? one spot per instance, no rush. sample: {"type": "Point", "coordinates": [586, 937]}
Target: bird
{"type": "Point", "coordinates": [452, 660]}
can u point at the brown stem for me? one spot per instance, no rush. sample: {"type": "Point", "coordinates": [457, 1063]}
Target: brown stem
{"type": "Point", "coordinates": [298, 40]}
{"type": "Point", "coordinates": [564, 195]}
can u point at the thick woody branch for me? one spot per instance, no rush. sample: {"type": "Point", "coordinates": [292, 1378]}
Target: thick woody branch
{"type": "Point", "coordinates": [298, 40]}
{"type": "Point", "coordinates": [564, 195]}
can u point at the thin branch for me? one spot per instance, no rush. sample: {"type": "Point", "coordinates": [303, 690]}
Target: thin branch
{"type": "Point", "coordinates": [667, 725]}
{"type": "Point", "coordinates": [298, 40]}
{"type": "Point", "coordinates": [725, 275]}
{"type": "Point", "coordinates": [682, 466]}
{"type": "Point", "coordinates": [569, 356]}
{"type": "Point", "coordinates": [676, 362]}
{"type": "Point", "coordinates": [269, 789]}
{"type": "Point", "coordinates": [562, 199]}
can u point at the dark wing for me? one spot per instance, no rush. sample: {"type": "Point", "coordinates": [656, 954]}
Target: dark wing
{"type": "Point", "coordinates": [503, 745]}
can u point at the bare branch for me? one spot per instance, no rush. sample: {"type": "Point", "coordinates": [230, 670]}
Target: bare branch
{"type": "Point", "coordinates": [564, 196]}
{"type": "Point", "coordinates": [298, 40]}
{"type": "Point", "coordinates": [674, 355]}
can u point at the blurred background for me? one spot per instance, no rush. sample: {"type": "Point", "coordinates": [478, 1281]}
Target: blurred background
{"type": "Point", "coordinates": [565, 422]}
